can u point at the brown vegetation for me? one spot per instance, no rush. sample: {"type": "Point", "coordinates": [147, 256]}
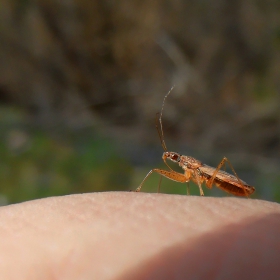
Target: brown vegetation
{"type": "Point", "coordinates": [117, 59]}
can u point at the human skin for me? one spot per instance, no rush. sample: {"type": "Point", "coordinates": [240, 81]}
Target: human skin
{"type": "Point", "coordinates": [127, 235]}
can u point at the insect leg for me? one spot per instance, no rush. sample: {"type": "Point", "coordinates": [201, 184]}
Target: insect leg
{"type": "Point", "coordinates": [209, 183]}
{"type": "Point", "coordinates": [159, 183]}
{"type": "Point", "coordinates": [188, 189]}
{"type": "Point", "coordinates": [175, 176]}
{"type": "Point", "coordinates": [197, 179]}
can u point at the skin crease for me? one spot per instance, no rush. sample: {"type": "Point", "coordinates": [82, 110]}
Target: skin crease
{"type": "Point", "coordinates": [127, 235]}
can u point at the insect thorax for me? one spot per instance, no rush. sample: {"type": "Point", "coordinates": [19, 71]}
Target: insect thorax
{"type": "Point", "coordinates": [190, 162]}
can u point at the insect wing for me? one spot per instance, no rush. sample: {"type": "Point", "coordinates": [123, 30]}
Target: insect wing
{"type": "Point", "coordinates": [208, 171]}
{"type": "Point", "coordinates": [227, 182]}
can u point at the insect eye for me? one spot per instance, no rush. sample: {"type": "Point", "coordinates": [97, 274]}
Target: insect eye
{"type": "Point", "coordinates": [175, 157]}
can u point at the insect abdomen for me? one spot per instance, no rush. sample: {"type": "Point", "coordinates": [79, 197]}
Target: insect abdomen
{"type": "Point", "coordinates": [244, 190]}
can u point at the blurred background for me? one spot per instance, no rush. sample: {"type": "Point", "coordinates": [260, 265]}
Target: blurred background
{"type": "Point", "coordinates": [81, 82]}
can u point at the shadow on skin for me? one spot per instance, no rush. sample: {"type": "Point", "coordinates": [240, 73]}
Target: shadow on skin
{"type": "Point", "coordinates": [248, 250]}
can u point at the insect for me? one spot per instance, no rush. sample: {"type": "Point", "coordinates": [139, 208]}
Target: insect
{"type": "Point", "coordinates": [197, 171]}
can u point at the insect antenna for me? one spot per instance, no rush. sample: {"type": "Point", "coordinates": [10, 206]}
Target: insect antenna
{"type": "Point", "coordinates": [159, 122]}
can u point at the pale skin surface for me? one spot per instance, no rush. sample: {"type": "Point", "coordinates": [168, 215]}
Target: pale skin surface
{"type": "Point", "coordinates": [140, 236]}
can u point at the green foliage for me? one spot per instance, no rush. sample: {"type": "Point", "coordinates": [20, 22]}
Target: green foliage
{"type": "Point", "coordinates": [34, 165]}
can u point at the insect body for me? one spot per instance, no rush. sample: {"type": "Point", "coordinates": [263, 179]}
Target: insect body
{"type": "Point", "coordinates": [197, 171]}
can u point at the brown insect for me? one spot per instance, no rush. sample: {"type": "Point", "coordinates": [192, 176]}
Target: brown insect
{"type": "Point", "coordinates": [196, 171]}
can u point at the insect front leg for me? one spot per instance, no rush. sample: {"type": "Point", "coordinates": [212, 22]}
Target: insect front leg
{"type": "Point", "coordinates": [159, 183]}
{"type": "Point", "coordinates": [172, 175]}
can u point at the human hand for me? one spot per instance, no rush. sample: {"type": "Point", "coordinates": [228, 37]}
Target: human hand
{"type": "Point", "coordinates": [119, 235]}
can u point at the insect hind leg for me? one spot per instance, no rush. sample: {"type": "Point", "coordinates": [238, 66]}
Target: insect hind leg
{"type": "Point", "coordinates": [210, 182]}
